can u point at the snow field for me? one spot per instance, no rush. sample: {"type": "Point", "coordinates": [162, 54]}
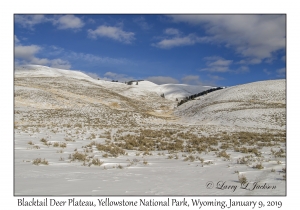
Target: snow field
{"type": "Point", "coordinates": [107, 138]}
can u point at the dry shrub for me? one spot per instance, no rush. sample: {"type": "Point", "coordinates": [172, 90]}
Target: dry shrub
{"type": "Point", "coordinates": [242, 179]}
{"type": "Point", "coordinates": [223, 154]}
{"type": "Point", "coordinates": [78, 156]}
{"type": "Point", "coordinates": [97, 162]}
{"type": "Point", "coordinates": [259, 166]}
{"type": "Point", "coordinates": [39, 161]}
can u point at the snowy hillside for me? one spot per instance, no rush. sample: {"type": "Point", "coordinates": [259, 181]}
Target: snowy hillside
{"type": "Point", "coordinates": [75, 135]}
{"type": "Point", "coordinates": [170, 91]}
{"type": "Point", "coordinates": [44, 71]}
{"type": "Point", "coordinates": [173, 91]}
{"type": "Point", "coordinates": [259, 104]}
{"type": "Point", "coordinates": [180, 91]}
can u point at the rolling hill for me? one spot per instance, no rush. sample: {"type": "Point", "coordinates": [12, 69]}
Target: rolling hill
{"type": "Point", "coordinates": [75, 135]}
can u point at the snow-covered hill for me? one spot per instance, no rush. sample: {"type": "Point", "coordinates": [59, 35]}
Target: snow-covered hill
{"type": "Point", "coordinates": [170, 91]}
{"type": "Point", "coordinates": [75, 135]}
{"type": "Point", "coordinates": [177, 91]}
{"type": "Point", "coordinates": [44, 71]}
{"type": "Point", "coordinates": [257, 104]}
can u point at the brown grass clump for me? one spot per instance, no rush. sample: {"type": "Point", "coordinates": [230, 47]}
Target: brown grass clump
{"type": "Point", "coordinates": [120, 167]}
{"type": "Point", "coordinates": [61, 144]}
{"type": "Point", "coordinates": [147, 153]}
{"type": "Point", "coordinates": [259, 166]}
{"type": "Point", "coordinates": [55, 144]}
{"type": "Point", "coordinates": [145, 162]}
{"type": "Point", "coordinates": [242, 160]}
{"type": "Point", "coordinates": [191, 158]}
{"type": "Point", "coordinates": [97, 162]}
{"type": "Point", "coordinates": [279, 153]}
{"type": "Point", "coordinates": [170, 157]}
{"type": "Point", "coordinates": [248, 150]}
{"type": "Point", "coordinates": [114, 150]}
{"type": "Point", "coordinates": [43, 140]}
{"type": "Point", "coordinates": [39, 161]}
{"type": "Point", "coordinates": [223, 154]}
{"type": "Point", "coordinates": [79, 156]}
{"type": "Point", "coordinates": [242, 179]}
{"type": "Point", "coordinates": [68, 139]}
{"type": "Point", "coordinates": [46, 142]}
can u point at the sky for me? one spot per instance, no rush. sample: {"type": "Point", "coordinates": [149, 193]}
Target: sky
{"type": "Point", "coordinates": [219, 50]}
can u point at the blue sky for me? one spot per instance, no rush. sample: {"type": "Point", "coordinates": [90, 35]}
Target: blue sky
{"type": "Point", "coordinates": [222, 50]}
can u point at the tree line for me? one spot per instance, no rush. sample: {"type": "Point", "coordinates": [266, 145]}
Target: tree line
{"type": "Point", "coordinates": [191, 97]}
{"type": "Point", "coordinates": [134, 81]}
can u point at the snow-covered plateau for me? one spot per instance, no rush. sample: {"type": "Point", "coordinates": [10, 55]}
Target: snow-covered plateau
{"type": "Point", "coordinates": [75, 135]}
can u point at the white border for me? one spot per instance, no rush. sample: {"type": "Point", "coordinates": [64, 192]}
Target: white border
{"type": "Point", "coordinates": [8, 8]}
